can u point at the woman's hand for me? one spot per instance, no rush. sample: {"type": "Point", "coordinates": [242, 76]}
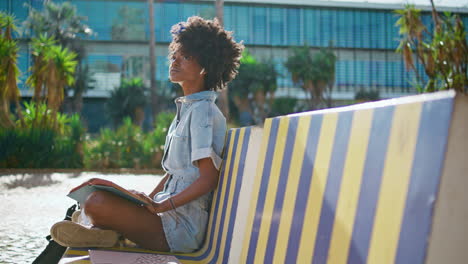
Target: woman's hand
{"type": "Point", "coordinates": [152, 206]}
{"type": "Point", "coordinates": [155, 207]}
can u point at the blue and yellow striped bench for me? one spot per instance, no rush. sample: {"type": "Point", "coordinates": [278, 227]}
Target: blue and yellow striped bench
{"type": "Point", "coordinates": [380, 182]}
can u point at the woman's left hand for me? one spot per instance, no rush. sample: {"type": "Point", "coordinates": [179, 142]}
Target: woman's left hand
{"type": "Point", "coordinates": [155, 207]}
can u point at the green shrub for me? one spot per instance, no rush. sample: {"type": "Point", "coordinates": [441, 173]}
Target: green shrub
{"type": "Point", "coordinates": [40, 142]}
{"type": "Point", "coordinates": [287, 105]}
{"type": "Point", "coordinates": [129, 146]}
{"type": "Point", "coordinates": [367, 95]}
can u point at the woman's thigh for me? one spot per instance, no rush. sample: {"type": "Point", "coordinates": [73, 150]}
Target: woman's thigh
{"type": "Point", "coordinates": [136, 223]}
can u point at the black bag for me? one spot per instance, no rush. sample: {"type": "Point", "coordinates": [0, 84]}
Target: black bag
{"type": "Point", "coordinates": [54, 252]}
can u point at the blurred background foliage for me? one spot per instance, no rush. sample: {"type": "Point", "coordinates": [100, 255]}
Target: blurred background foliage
{"type": "Point", "coordinates": [129, 146]}
{"type": "Point", "coordinates": [443, 53]}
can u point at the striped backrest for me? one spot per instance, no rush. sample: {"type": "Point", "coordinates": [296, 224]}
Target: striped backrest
{"type": "Point", "coordinates": [348, 185]}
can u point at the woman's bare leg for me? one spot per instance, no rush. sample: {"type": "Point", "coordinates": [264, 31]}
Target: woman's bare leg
{"type": "Point", "coordinates": [108, 211]}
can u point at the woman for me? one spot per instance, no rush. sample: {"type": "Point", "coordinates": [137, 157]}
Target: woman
{"type": "Point", "coordinates": [204, 58]}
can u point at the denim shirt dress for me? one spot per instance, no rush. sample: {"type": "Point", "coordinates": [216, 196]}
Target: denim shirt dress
{"type": "Point", "coordinates": [198, 131]}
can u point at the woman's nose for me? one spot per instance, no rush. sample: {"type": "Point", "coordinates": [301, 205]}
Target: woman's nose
{"type": "Point", "coordinates": [175, 61]}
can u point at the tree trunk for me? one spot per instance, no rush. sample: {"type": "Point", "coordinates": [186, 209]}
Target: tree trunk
{"type": "Point", "coordinates": [223, 98]}
{"type": "Point", "coordinates": [77, 102]}
{"type": "Point", "coordinates": [139, 116]}
{"type": "Point", "coordinates": [152, 58]}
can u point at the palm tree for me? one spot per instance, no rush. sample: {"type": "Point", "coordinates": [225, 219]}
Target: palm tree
{"type": "Point", "coordinates": [315, 73]}
{"type": "Point", "coordinates": [62, 22]}
{"type": "Point", "coordinates": [254, 87]}
{"type": "Point", "coordinates": [412, 29]}
{"type": "Point", "coordinates": [128, 100]}
{"type": "Point", "coordinates": [38, 77]}
{"type": "Point", "coordinates": [8, 70]}
{"type": "Point", "coordinates": [53, 70]}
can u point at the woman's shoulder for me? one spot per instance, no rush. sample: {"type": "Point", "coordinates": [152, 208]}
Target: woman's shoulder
{"type": "Point", "coordinates": [207, 107]}
{"type": "Point", "coordinates": [207, 110]}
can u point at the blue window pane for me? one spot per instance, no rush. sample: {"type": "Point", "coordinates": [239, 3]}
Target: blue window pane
{"type": "Point", "coordinates": [188, 9]}
{"type": "Point", "coordinates": [282, 71]}
{"type": "Point", "coordinates": [367, 73]}
{"type": "Point", "coordinates": [348, 29]}
{"type": "Point", "coordinates": [277, 26]}
{"type": "Point", "coordinates": [106, 24]}
{"type": "Point", "coordinates": [341, 34]}
{"type": "Point", "coordinates": [365, 30]}
{"type": "Point", "coordinates": [4, 6]}
{"type": "Point", "coordinates": [351, 69]}
{"type": "Point", "coordinates": [90, 10]}
{"type": "Point", "coordinates": [312, 27]}
{"type": "Point", "coordinates": [241, 27]}
{"type": "Point", "coordinates": [426, 18]}
{"type": "Point", "coordinates": [229, 18]}
{"type": "Point", "coordinates": [380, 29]}
{"type": "Point", "coordinates": [464, 18]}
{"type": "Point", "coordinates": [37, 4]}
{"type": "Point", "coordinates": [380, 66]}
{"type": "Point", "coordinates": [169, 16]}
{"type": "Point", "coordinates": [377, 30]}
{"type": "Point", "coordinates": [104, 63]}
{"type": "Point", "coordinates": [23, 65]}
{"type": "Point", "coordinates": [340, 75]}
{"type": "Point", "coordinates": [259, 27]}
{"type": "Point", "coordinates": [334, 28]}
{"type": "Point", "coordinates": [294, 26]}
{"type": "Point", "coordinates": [325, 27]}
{"type": "Point", "coordinates": [389, 74]}
{"type": "Point", "coordinates": [404, 75]}
{"type": "Point", "coordinates": [162, 69]}
{"type": "Point", "coordinates": [19, 10]}
{"type": "Point", "coordinates": [393, 30]}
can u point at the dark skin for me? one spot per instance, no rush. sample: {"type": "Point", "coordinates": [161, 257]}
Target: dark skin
{"type": "Point", "coordinates": [142, 225]}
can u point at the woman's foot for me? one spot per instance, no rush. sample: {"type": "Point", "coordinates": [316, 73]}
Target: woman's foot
{"type": "Point", "coordinates": [70, 234]}
{"type": "Point", "coordinates": [76, 217]}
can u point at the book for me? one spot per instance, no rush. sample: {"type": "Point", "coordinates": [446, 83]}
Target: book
{"type": "Point", "coordinates": [80, 193]}
{"type": "Point", "coordinates": [119, 257]}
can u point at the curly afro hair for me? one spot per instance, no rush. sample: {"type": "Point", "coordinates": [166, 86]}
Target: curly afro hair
{"type": "Point", "coordinates": [213, 47]}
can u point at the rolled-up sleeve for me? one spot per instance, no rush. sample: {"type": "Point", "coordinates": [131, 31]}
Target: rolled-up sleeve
{"type": "Point", "coordinates": [202, 135]}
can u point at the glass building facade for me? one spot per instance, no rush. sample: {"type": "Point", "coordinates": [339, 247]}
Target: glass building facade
{"type": "Point", "coordinates": [364, 38]}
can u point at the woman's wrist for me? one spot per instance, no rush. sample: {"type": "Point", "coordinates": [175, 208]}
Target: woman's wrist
{"type": "Point", "coordinates": [171, 203]}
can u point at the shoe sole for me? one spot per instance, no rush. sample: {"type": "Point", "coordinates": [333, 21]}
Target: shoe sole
{"type": "Point", "coordinates": [75, 216]}
{"type": "Point", "coordinates": [69, 234]}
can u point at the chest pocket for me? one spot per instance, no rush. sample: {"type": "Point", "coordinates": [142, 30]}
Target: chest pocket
{"type": "Point", "coordinates": [178, 152]}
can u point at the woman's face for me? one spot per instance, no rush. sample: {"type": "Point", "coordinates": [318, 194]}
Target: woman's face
{"type": "Point", "coordinates": [184, 68]}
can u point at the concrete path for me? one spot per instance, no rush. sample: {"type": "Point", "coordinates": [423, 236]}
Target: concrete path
{"type": "Point", "coordinates": [28, 212]}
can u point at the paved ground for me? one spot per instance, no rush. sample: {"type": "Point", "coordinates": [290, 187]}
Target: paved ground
{"type": "Point", "coordinates": [28, 212]}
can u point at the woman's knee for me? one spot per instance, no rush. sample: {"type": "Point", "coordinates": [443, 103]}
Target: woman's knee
{"type": "Point", "coordinates": [96, 206]}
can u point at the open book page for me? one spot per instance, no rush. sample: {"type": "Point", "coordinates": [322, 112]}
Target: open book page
{"type": "Point", "coordinates": [80, 194]}
{"type": "Point", "coordinates": [116, 257]}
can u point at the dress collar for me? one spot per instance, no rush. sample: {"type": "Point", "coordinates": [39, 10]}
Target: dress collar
{"type": "Point", "coordinates": [204, 95]}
